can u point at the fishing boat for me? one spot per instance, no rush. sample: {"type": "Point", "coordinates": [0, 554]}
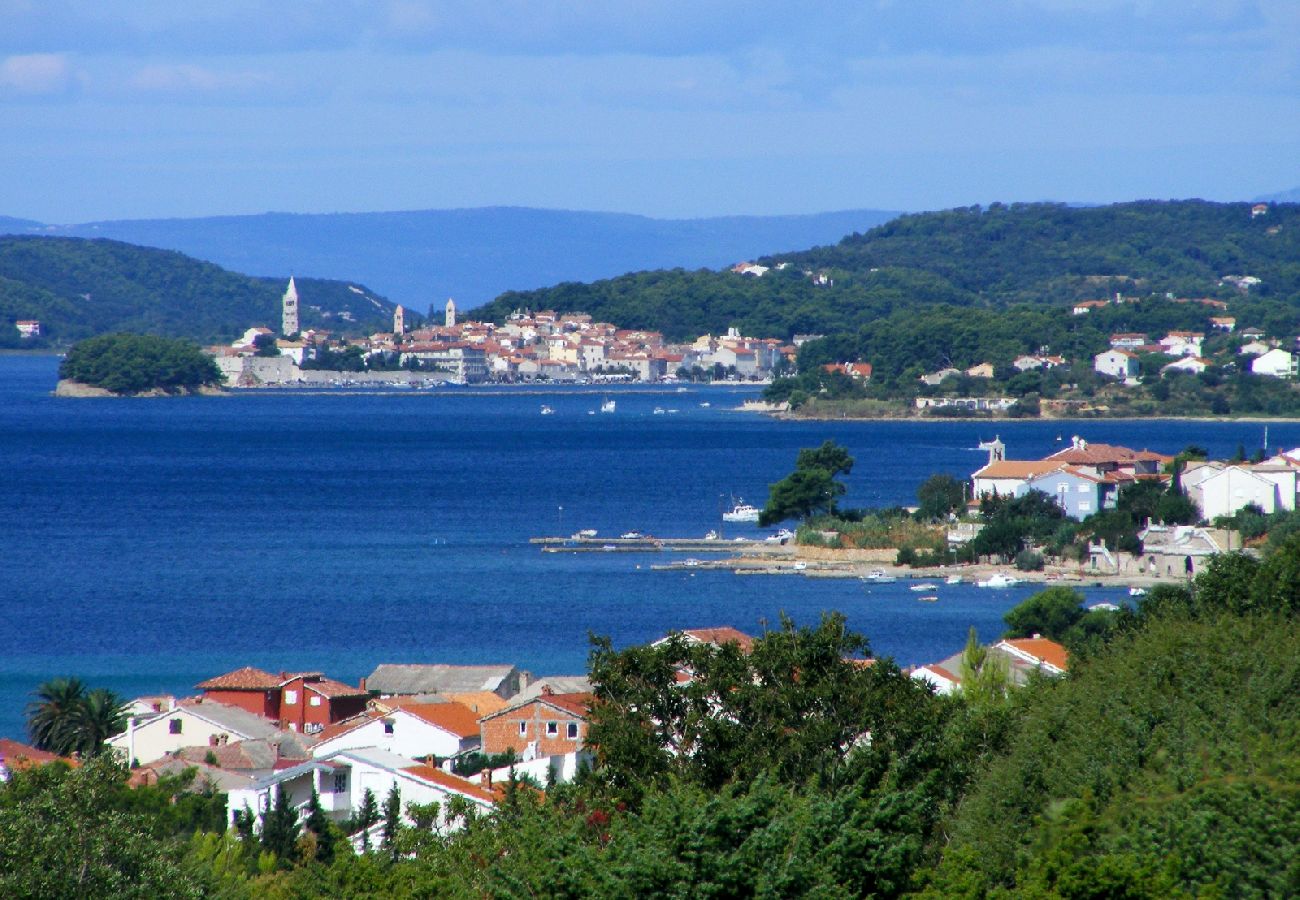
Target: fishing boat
{"type": "Point", "coordinates": [929, 598]}
{"type": "Point", "coordinates": [547, 411]}
{"type": "Point", "coordinates": [923, 586]}
{"type": "Point", "coordinates": [879, 576]}
{"type": "Point", "coordinates": [1137, 592]}
{"type": "Point", "coordinates": [953, 579]}
{"type": "Point", "coordinates": [741, 512]}
{"type": "Point", "coordinates": [607, 406]}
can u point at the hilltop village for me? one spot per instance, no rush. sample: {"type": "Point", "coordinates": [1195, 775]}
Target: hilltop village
{"type": "Point", "coordinates": [529, 346]}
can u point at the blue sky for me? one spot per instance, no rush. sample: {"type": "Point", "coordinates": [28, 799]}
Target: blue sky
{"type": "Point", "coordinates": [155, 108]}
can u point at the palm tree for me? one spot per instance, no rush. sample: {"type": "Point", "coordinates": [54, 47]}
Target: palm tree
{"type": "Point", "coordinates": [52, 716]}
{"type": "Point", "coordinates": [102, 715]}
{"type": "Point", "coordinates": [65, 718]}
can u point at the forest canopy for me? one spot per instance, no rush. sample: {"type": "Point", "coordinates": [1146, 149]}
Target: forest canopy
{"type": "Point", "coordinates": [135, 363]}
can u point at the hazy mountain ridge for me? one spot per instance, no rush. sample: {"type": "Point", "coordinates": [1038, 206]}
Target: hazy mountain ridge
{"type": "Point", "coordinates": [420, 258]}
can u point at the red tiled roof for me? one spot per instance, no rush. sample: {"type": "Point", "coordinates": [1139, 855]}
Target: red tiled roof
{"type": "Point", "coordinates": [245, 679]}
{"type": "Point", "coordinates": [13, 753]}
{"type": "Point", "coordinates": [453, 782]}
{"type": "Point", "coordinates": [328, 687]}
{"type": "Point", "coordinates": [723, 635]}
{"type": "Point", "coordinates": [456, 718]}
{"type": "Point", "coordinates": [1048, 651]}
{"type": "Point", "coordinates": [1092, 454]}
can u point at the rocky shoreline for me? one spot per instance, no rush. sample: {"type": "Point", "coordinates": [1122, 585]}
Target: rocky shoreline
{"type": "Point", "coordinates": [68, 388]}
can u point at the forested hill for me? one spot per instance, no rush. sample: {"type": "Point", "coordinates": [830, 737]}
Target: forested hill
{"type": "Point", "coordinates": [994, 257]}
{"type": "Point", "coordinates": [78, 288]}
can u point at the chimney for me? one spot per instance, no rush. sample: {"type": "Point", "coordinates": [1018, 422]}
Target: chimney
{"type": "Point", "coordinates": [547, 691]}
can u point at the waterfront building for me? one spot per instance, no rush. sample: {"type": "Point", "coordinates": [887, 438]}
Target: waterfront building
{"type": "Point", "coordinates": [289, 311]}
{"type": "Point", "coordinates": [194, 723]}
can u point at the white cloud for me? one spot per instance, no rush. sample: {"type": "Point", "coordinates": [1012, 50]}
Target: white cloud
{"type": "Point", "coordinates": [35, 73]}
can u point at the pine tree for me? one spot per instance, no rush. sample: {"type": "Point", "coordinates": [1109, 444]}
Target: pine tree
{"type": "Point", "coordinates": [280, 828]}
{"type": "Point", "coordinates": [319, 824]}
{"type": "Point", "coordinates": [392, 820]}
{"type": "Point", "coordinates": [367, 817]}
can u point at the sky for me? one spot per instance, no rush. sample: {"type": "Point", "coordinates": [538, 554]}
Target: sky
{"type": "Point", "coordinates": [112, 109]}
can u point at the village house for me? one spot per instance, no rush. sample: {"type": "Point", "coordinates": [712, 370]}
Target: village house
{"type": "Point", "coordinates": [1223, 489]}
{"type": "Point", "coordinates": [859, 371]}
{"type": "Point", "coordinates": [1253, 348]}
{"type": "Point", "coordinates": [1275, 363]}
{"type": "Point", "coordinates": [1183, 550]}
{"type": "Point", "coordinates": [192, 723]}
{"type": "Point", "coordinates": [1182, 343]}
{"type": "Point", "coordinates": [1193, 364]}
{"type": "Point", "coordinates": [28, 328]}
{"type": "Point", "coordinates": [417, 730]}
{"type": "Point", "coordinates": [1119, 364]}
{"type": "Point", "coordinates": [545, 725]}
{"type": "Point", "coordinates": [440, 678]}
{"type": "Point", "coordinates": [16, 756]}
{"type": "Point", "coordinates": [303, 701]}
{"type": "Point", "coordinates": [1223, 323]}
{"type": "Point", "coordinates": [1088, 306]}
{"type": "Point", "coordinates": [936, 378]}
{"type": "Point", "coordinates": [342, 779]}
{"type": "Point", "coordinates": [1079, 493]}
{"type": "Point", "coordinates": [716, 637]}
{"type": "Point", "coordinates": [1128, 341]}
{"type": "Point", "coordinates": [980, 370]}
{"type": "Point", "coordinates": [1025, 658]}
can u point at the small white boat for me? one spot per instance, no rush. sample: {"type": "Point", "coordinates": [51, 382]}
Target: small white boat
{"type": "Point", "coordinates": [800, 566]}
{"type": "Point", "coordinates": [923, 586]}
{"type": "Point", "coordinates": [631, 535]}
{"type": "Point", "coordinates": [929, 598]}
{"type": "Point", "coordinates": [741, 512]}
{"type": "Point", "coordinates": [587, 533]}
{"type": "Point", "coordinates": [692, 562]}
{"type": "Point", "coordinates": [953, 579]}
{"type": "Point", "coordinates": [1137, 592]}
{"type": "Point", "coordinates": [608, 406]}
{"type": "Point", "coordinates": [781, 537]}
{"type": "Point", "coordinates": [879, 576]}
{"type": "Point", "coordinates": [704, 404]}
{"type": "Point", "coordinates": [998, 580]}
{"type": "Point", "coordinates": [547, 411]}
{"type": "Point", "coordinates": [659, 410]}
{"type": "Point", "coordinates": [711, 536]}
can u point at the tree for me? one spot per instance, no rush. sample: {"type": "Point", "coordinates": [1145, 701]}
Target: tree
{"type": "Point", "coordinates": [811, 487]}
{"type": "Point", "coordinates": [392, 820]}
{"type": "Point", "coordinates": [1225, 584]}
{"type": "Point", "coordinates": [985, 676]}
{"type": "Point", "coordinates": [1276, 588]}
{"type": "Point", "coordinates": [939, 495]}
{"type": "Point", "coordinates": [280, 828]}
{"type": "Point", "coordinates": [319, 825]}
{"type": "Point", "coordinates": [52, 717]}
{"type": "Point", "coordinates": [366, 818]}
{"type": "Point", "coordinates": [1051, 613]}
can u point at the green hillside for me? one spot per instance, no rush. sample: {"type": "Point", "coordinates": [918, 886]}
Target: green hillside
{"type": "Point", "coordinates": [79, 288]}
{"type": "Point", "coordinates": [1040, 255]}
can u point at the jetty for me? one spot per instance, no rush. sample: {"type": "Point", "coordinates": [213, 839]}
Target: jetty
{"type": "Point", "coordinates": [651, 544]}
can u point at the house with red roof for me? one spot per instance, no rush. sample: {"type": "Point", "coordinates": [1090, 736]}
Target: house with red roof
{"type": "Point", "coordinates": [417, 730]}
{"type": "Point", "coordinates": [546, 725]}
{"type": "Point", "coordinates": [302, 701]}
{"type": "Point", "coordinates": [16, 756]}
{"type": "Point", "coordinates": [1025, 658]}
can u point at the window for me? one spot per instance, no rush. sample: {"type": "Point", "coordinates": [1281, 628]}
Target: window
{"type": "Point", "coordinates": [552, 729]}
{"type": "Point", "coordinates": [315, 700]}
{"type": "Point", "coordinates": [1083, 489]}
{"type": "Point", "coordinates": [1084, 506]}
{"type": "Point", "coordinates": [174, 726]}
{"type": "Point", "coordinates": [290, 698]}
{"type": "Point", "coordinates": [340, 784]}
{"type": "Point", "coordinates": [573, 730]}
{"type": "Point", "coordinates": [523, 729]}
{"type": "Point", "coordinates": [388, 726]}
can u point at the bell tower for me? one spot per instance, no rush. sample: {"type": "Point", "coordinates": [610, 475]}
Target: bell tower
{"type": "Point", "coordinates": [289, 312]}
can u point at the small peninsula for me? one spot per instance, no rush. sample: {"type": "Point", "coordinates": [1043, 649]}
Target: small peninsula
{"type": "Point", "coordinates": [133, 365]}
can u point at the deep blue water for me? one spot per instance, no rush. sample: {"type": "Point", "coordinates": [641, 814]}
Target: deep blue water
{"type": "Point", "coordinates": [149, 544]}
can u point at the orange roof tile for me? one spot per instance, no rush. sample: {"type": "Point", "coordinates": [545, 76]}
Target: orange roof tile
{"type": "Point", "coordinates": [481, 702]}
{"type": "Point", "coordinates": [1047, 650]}
{"type": "Point", "coordinates": [17, 755]}
{"type": "Point", "coordinates": [245, 679]}
{"type": "Point", "coordinates": [328, 687]}
{"type": "Point", "coordinates": [455, 783]}
{"type": "Point", "coordinates": [1018, 468]}
{"type": "Point", "coordinates": [722, 635]}
{"type": "Point", "coordinates": [457, 718]}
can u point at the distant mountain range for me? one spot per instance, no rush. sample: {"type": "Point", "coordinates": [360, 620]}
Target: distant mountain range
{"type": "Point", "coordinates": [1291, 196]}
{"type": "Point", "coordinates": [421, 258]}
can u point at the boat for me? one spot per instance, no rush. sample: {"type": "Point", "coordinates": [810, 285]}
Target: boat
{"type": "Point", "coordinates": [659, 410]}
{"type": "Point", "coordinates": [547, 411]}
{"type": "Point", "coordinates": [1137, 592]}
{"type": "Point", "coordinates": [586, 533]}
{"type": "Point", "coordinates": [780, 537]}
{"type": "Point", "coordinates": [998, 580]}
{"type": "Point", "coordinates": [692, 562]}
{"type": "Point", "coordinates": [879, 576]}
{"type": "Point", "coordinates": [711, 536]}
{"type": "Point", "coordinates": [923, 586]}
{"type": "Point", "coordinates": [800, 566]}
{"type": "Point", "coordinates": [741, 512]}
{"type": "Point", "coordinates": [631, 535]}
{"type": "Point", "coordinates": [953, 579]}
{"type": "Point", "coordinates": [929, 598]}
{"type": "Point", "coordinates": [704, 404]}
{"type": "Point", "coordinates": [607, 405]}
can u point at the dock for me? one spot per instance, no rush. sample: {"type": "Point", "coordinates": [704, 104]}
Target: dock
{"type": "Point", "coordinates": [651, 544]}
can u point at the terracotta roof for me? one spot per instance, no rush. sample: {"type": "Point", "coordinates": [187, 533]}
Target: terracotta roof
{"type": "Point", "coordinates": [574, 704]}
{"type": "Point", "coordinates": [245, 679]}
{"type": "Point", "coordinates": [456, 718]}
{"type": "Point", "coordinates": [719, 636]}
{"type": "Point", "coordinates": [1047, 650]}
{"type": "Point", "coordinates": [452, 782]}
{"type": "Point", "coordinates": [1018, 468]}
{"type": "Point", "coordinates": [942, 672]}
{"type": "Point", "coordinates": [329, 732]}
{"type": "Point", "coordinates": [328, 687]}
{"type": "Point", "coordinates": [1092, 454]}
{"type": "Point", "coordinates": [480, 702]}
{"type": "Point", "coordinates": [14, 754]}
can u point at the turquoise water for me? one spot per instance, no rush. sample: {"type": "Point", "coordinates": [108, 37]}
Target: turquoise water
{"type": "Point", "coordinates": [149, 544]}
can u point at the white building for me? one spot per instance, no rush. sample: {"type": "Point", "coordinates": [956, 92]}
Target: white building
{"type": "Point", "coordinates": [289, 312]}
{"type": "Point", "coordinates": [342, 779]}
{"type": "Point", "coordinates": [1276, 363]}
{"type": "Point", "coordinates": [416, 730]}
{"type": "Point", "coordinates": [1119, 364]}
{"type": "Point", "coordinates": [194, 724]}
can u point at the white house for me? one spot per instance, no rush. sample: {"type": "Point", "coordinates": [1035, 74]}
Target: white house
{"type": "Point", "coordinates": [1008, 477]}
{"type": "Point", "coordinates": [1254, 348]}
{"type": "Point", "coordinates": [195, 723]}
{"type": "Point", "coordinates": [1119, 364]}
{"type": "Point", "coordinates": [1276, 363]}
{"type": "Point", "coordinates": [415, 730]}
{"type": "Point", "coordinates": [342, 779]}
{"type": "Point", "coordinates": [1193, 364]}
{"type": "Point", "coordinates": [1182, 343]}
{"type": "Point", "coordinates": [1222, 490]}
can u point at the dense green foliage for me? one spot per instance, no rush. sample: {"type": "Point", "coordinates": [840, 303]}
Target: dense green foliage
{"type": "Point", "coordinates": [811, 487]}
{"type": "Point", "coordinates": [78, 288]}
{"type": "Point", "coordinates": [134, 363]}
{"type": "Point", "coordinates": [1041, 256]}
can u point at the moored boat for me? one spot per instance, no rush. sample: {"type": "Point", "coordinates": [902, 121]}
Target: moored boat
{"type": "Point", "coordinates": [741, 512]}
{"type": "Point", "coordinates": [998, 580]}
{"type": "Point", "coordinates": [879, 576]}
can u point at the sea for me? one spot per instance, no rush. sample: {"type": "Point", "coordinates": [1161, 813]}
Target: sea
{"type": "Point", "coordinates": [149, 544]}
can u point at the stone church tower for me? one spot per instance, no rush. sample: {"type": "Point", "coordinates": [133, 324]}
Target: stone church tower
{"type": "Point", "coordinates": [289, 313]}
{"type": "Point", "coordinates": [451, 313]}
{"type": "Point", "coordinates": [399, 320]}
